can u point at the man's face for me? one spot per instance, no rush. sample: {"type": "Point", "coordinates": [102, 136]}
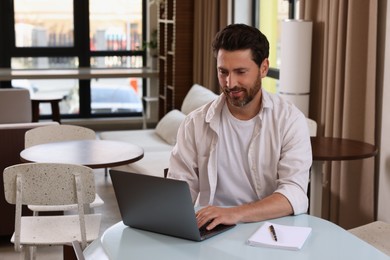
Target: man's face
{"type": "Point", "coordinates": [239, 76]}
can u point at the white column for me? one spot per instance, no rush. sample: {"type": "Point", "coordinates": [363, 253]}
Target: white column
{"type": "Point", "coordinates": [294, 85]}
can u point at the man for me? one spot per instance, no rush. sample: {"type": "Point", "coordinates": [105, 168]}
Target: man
{"type": "Point", "coordinates": [246, 156]}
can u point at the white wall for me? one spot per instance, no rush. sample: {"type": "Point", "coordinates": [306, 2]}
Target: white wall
{"type": "Point", "coordinates": [384, 154]}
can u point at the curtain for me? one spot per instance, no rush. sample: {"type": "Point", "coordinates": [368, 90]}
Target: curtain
{"type": "Point", "coordinates": [209, 18]}
{"type": "Point", "coordinates": [342, 101]}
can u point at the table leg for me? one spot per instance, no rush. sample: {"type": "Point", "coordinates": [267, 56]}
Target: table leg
{"type": "Point", "coordinates": [35, 110]}
{"type": "Point", "coordinates": [316, 188]}
{"type": "Point", "coordinates": [55, 110]}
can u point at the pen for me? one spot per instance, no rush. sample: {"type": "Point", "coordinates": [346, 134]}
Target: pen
{"type": "Point", "coordinates": [273, 233]}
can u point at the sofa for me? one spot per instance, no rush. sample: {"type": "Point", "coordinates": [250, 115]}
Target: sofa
{"type": "Point", "coordinates": [158, 143]}
{"type": "Point", "coordinates": [11, 144]}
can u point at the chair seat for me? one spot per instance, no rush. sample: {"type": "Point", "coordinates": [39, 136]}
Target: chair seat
{"type": "Point", "coordinates": [96, 203]}
{"type": "Point", "coordinates": [57, 230]}
{"type": "Point", "coordinates": [376, 234]}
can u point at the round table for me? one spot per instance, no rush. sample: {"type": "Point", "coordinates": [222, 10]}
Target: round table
{"type": "Point", "coordinates": [332, 149]}
{"type": "Point", "coordinates": [91, 153]}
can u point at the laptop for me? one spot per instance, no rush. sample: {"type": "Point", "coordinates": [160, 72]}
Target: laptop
{"type": "Point", "coordinates": [159, 205]}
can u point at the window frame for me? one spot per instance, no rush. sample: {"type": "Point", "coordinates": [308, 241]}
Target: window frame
{"type": "Point", "coordinates": [80, 49]}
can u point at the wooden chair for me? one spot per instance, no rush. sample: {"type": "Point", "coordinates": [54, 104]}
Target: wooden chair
{"type": "Point", "coordinates": [58, 133]}
{"type": "Point", "coordinates": [51, 184]}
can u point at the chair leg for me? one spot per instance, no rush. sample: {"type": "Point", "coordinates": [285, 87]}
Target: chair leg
{"type": "Point", "coordinates": [29, 252]}
{"type": "Point", "coordinates": [105, 172]}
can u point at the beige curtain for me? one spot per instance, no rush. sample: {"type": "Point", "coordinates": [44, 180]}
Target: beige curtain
{"type": "Point", "coordinates": [210, 17]}
{"type": "Point", "coordinates": [342, 99]}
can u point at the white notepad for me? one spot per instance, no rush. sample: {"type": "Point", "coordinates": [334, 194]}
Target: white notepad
{"type": "Point", "coordinates": [288, 237]}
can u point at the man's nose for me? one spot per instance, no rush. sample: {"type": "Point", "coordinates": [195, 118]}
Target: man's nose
{"type": "Point", "coordinates": [230, 81]}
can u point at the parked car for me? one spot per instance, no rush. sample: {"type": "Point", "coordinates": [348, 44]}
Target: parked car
{"type": "Point", "coordinates": [108, 99]}
{"type": "Point", "coordinates": [114, 99]}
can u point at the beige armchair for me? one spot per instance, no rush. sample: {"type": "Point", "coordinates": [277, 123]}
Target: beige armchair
{"type": "Point", "coordinates": [15, 106]}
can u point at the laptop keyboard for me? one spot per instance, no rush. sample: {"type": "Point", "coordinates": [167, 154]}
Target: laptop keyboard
{"type": "Point", "coordinates": [206, 233]}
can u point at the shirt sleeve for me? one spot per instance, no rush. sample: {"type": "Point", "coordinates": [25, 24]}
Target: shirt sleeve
{"type": "Point", "coordinates": [295, 162]}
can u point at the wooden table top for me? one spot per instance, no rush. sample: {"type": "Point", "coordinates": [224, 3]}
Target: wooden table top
{"type": "Point", "coordinates": [91, 153]}
{"type": "Point", "coordinates": [337, 149]}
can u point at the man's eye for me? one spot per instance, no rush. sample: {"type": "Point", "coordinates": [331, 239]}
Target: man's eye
{"type": "Point", "coordinates": [222, 72]}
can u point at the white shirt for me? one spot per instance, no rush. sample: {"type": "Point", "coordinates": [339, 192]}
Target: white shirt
{"type": "Point", "coordinates": [279, 155]}
{"type": "Point", "coordinates": [233, 173]}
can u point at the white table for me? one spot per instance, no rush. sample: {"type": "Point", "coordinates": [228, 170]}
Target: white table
{"type": "Point", "coordinates": [327, 241]}
{"type": "Point", "coordinates": [91, 153]}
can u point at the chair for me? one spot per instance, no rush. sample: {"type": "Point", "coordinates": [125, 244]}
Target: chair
{"type": "Point", "coordinates": [15, 106]}
{"type": "Point", "coordinates": [51, 184]}
{"type": "Point", "coordinates": [77, 250]}
{"type": "Point", "coordinates": [57, 133]}
{"type": "Point", "coordinates": [312, 127]}
{"type": "Point", "coordinates": [376, 233]}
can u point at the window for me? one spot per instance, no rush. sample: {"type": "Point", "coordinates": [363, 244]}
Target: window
{"type": "Point", "coordinates": [269, 15]}
{"type": "Point", "coordinates": [61, 34]}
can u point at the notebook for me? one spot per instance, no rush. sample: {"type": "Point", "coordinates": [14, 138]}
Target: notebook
{"type": "Point", "coordinates": [158, 205]}
{"type": "Point", "coordinates": [285, 237]}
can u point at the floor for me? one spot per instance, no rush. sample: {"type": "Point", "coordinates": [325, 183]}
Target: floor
{"type": "Point", "coordinates": [110, 215]}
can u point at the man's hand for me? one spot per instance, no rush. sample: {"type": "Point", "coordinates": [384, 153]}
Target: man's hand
{"type": "Point", "coordinates": [216, 215]}
{"type": "Point", "coordinates": [274, 206]}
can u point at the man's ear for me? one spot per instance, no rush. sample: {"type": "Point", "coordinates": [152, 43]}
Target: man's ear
{"type": "Point", "coordinates": [264, 67]}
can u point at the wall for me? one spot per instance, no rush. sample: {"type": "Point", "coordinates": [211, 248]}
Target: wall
{"type": "Point", "coordinates": [384, 97]}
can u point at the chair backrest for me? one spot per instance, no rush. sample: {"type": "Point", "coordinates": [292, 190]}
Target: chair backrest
{"type": "Point", "coordinates": [312, 127]}
{"type": "Point", "coordinates": [45, 184]}
{"type": "Point", "coordinates": [15, 106]}
{"type": "Point", "coordinates": [57, 133]}
{"type": "Point", "coordinates": [48, 184]}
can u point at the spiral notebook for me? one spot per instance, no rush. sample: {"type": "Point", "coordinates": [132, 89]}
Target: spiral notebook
{"type": "Point", "coordinates": [286, 237]}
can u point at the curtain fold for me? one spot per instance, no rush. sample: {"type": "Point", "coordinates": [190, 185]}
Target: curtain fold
{"type": "Point", "coordinates": [209, 18]}
{"type": "Point", "coordinates": [342, 102]}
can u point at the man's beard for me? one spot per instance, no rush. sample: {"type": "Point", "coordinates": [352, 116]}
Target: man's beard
{"type": "Point", "coordinates": [249, 94]}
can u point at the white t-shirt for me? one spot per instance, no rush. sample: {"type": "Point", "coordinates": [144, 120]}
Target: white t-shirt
{"type": "Point", "coordinates": [234, 181]}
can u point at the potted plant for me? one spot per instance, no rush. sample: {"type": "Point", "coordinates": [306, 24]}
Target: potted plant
{"type": "Point", "coordinates": [151, 46]}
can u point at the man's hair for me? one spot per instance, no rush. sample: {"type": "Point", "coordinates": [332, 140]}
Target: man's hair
{"type": "Point", "coordinates": [242, 37]}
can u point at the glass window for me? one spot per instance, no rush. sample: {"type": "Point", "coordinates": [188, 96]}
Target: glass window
{"type": "Point", "coordinates": [115, 26]}
{"type": "Point", "coordinates": [43, 23]}
{"type": "Point", "coordinates": [121, 95]}
{"type": "Point", "coordinates": [117, 62]}
{"type": "Point", "coordinates": [271, 13]}
{"type": "Point", "coordinates": [44, 63]}
{"type": "Point", "coordinates": [45, 88]}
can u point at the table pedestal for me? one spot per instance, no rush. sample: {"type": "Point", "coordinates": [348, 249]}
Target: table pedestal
{"type": "Point", "coordinates": [316, 186]}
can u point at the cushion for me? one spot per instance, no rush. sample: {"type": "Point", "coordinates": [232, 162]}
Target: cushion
{"type": "Point", "coordinates": [145, 138]}
{"type": "Point", "coordinates": [168, 126]}
{"type": "Point", "coordinates": [196, 97]}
